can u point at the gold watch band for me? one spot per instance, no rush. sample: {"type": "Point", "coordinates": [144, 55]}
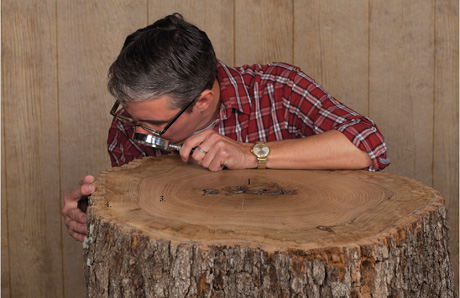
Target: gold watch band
{"type": "Point", "coordinates": [262, 163]}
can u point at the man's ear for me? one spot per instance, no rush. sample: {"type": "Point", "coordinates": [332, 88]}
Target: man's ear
{"type": "Point", "coordinates": [205, 100]}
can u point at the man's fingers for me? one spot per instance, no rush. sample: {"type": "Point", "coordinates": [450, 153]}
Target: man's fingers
{"type": "Point", "coordinates": [74, 218]}
{"type": "Point", "coordinates": [77, 236]}
{"type": "Point", "coordinates": [77, 227]}
{"type": "Point", "coordinates": [86, 180]}
{"type": "Point", "coordinates": [81, 191]}
{"type": "Point", "coordinates": [75, 215]}
{"type": "Point", "coordinates": [193, 142]}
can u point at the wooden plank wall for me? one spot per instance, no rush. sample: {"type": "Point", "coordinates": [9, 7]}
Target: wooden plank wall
{"type": "Point", "coordinates": [395, 61]}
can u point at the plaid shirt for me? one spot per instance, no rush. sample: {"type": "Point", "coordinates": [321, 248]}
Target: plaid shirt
{"type": "Point", "coordinates": [269, 103]}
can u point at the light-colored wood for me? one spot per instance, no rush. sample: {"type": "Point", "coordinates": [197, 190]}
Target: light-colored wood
{"type": "Point", "coordinates": [263, 31]}
{"type": "Point", "coordinates": [5, 288]}
{"type": "Point", "coordinates": [29, 111]}
{"type": "Point", "coordinates": [213, 17]}
{"type": "Point", "coordinates": [331, 45]}
{"type": "Point", "coordinates": [90, 37]}
{"type": "Point", "coordinates": [345, 222]}
{"type": "Point", "coordinates": [445, 151]}
{"type": "Point", "coordinates": [272, 209]}
{"type": "Point", "coordinates": [401, 87]}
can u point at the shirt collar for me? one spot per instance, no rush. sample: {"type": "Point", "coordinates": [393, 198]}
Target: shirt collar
{"type": "Point", "coordinates": [233, 91]}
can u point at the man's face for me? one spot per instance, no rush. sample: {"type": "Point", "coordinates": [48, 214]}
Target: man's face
{"type": "Point", "coordinates": [157, 113]}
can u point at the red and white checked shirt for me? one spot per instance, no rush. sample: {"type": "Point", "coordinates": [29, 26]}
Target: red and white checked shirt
{"type": "Point", "coordinates": [268, 103]}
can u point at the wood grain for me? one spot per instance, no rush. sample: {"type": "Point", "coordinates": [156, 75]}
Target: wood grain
{"type": "Point", "coordinates": [213, 17]}
{"type": "Point", "coordinates": [271, 209]}
{"type": "Point", "coordinates": [5, 287]}
{"type": "Point", "coordinates": [402, 83]}
{"type": "Point", "coordinates": [445, 160]}
{"type": "Point", "coordinates": [29, 109]}
{"type": "Point", "coordinates": [90, 37]}
{"type": "Point", "coordinates": [263, 31]}
{"type": "Point", "coordinates": [331, 45]}
{"type": "Point", "coordinates": [159, 227]}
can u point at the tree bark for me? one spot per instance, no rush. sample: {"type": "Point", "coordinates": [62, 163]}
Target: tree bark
{"type": "Point", "coordinates": [158, 227]}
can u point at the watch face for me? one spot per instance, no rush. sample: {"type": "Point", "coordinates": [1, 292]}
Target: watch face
{"type": "Point", "coordinates": [261, 150]}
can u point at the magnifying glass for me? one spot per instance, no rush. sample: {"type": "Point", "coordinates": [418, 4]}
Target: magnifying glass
{"type": "Point", "coordinates": [155, 142]}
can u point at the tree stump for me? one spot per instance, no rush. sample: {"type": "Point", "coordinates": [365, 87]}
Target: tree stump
{"type": "Point", "coordinates": [158, 227]}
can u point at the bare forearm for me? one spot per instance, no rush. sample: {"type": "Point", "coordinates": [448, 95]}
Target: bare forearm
{"type": "Point", "coordinates": [330, 150]}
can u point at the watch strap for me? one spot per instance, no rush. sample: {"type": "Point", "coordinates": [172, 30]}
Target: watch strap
{"type": "Point", "coordinates": [262, 163]}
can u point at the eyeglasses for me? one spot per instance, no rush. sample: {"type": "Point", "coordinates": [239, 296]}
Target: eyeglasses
{"type": "Point", "coordinates": [130, 121]}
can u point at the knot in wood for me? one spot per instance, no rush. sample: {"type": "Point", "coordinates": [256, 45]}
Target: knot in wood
{"type": "Point", "coordinates": [268, 190]}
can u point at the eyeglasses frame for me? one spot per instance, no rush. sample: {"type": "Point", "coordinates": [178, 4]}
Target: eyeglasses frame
{"type": "Point", "coordinates": [136, 124]}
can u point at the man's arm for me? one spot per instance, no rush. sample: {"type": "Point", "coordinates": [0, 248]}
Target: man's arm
{"type": "Point", "coordinates": [329, 150]}
{"type": "Point", "coordinates": [286, 105]}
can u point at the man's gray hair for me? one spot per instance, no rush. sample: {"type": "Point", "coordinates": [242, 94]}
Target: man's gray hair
{"type": "Point", "coordinates": [170, 57]}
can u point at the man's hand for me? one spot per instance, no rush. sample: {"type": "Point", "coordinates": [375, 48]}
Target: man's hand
{"type": "Point", "coordinates": [74, 217]}
{"type": "Point", "coordinates": [331, 150]}
{"type": "Point", "coordinates": [214, 152]}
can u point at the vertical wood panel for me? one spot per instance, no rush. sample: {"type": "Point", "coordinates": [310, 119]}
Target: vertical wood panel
{"type": "Point", "coordinates": [29, 111]}
{"type": "Point", "coordinates": [90, 35]}
{"type": "Point", "coordinates": [5, 289]}
{"type": "Point", "coordinates": [401, 83]}
{"type": "Point", "coordinates": [331, 45]}
{"type": "Point", "coordinates": [263, 31]}
{"type": "Point", "coordinates": [446, 130]}
{"type": "Point", "coordinates": [213, 17]}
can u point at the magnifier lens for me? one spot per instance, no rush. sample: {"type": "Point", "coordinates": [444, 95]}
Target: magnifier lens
{"type": "Point", "coordinates": [154, 141]}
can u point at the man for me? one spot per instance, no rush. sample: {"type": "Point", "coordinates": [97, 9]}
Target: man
{"type": "Point", "coordinates": [170, 84]}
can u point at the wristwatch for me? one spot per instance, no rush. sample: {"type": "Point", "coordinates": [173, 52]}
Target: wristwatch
{"type": "Point", "coordinates": [261, 151]}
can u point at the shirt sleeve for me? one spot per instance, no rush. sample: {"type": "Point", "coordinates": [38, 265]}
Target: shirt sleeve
{"type": "Point", "coordinates": [319, 112]}
{"type": "Point", "coordinates": [122, 149]}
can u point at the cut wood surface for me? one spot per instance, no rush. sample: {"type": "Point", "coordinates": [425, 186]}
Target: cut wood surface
{"type": "Point", "coordinates": [158, 227]}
